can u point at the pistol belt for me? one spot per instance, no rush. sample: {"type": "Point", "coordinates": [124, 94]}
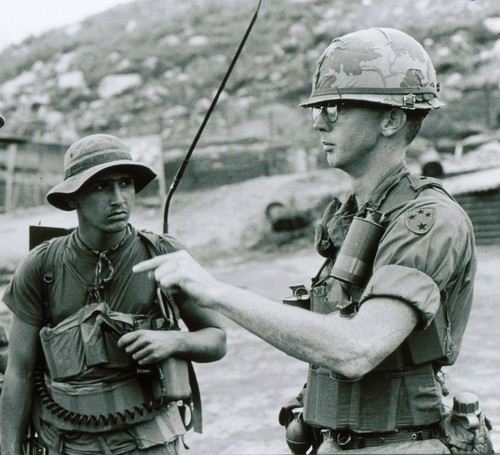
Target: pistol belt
{"type": "Point", "coordinates": [349, 440]}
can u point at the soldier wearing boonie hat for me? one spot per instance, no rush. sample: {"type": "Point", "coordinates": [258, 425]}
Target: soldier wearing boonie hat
{"type": "Point", "coordinates": [391, 302]}
{"type": "Point", "coordinates": [107, 378]}
{"type": "Point", "coordinates": [91, 155]}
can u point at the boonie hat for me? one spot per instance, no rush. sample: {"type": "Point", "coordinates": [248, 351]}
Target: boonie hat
{"type": "Point", "coordinates": [91, 155]}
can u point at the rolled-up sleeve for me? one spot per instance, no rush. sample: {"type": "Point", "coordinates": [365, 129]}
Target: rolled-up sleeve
{"type": "Point", "coordinates": [409, 285]}
{"type": "Point", "coordinates": [425, 248]}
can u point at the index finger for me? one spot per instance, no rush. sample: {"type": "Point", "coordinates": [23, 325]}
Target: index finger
{"type": "Point", "coordinates": [150, 264]}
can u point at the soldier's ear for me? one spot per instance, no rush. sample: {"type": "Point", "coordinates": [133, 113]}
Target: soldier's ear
{"type": "Point", "coordinates": [393, 121]}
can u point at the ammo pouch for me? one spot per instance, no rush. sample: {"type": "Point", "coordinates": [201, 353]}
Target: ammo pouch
{"type": "Point", "coordinates": [79, 343]}
{"type": "Point", "coordinates": [380, 401]}
{"type": "Point", "coordinates": [81, 352]}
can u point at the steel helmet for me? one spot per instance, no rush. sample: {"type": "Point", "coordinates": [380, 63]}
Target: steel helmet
{"type": "Point", "coordinates": [377, 65]}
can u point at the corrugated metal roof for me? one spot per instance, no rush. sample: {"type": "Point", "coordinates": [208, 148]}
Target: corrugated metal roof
{"type": "Point", "coordinates": [473, 182]}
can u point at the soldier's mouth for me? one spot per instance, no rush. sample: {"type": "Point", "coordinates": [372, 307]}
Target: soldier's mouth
{"type": "Point", "coordinates": [328, 146]}
{"type": "Point", "coordinates": [118, 215]}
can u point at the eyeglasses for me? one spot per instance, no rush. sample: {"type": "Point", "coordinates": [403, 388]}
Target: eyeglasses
{"type": "Point", "coordinates": [331, 112]}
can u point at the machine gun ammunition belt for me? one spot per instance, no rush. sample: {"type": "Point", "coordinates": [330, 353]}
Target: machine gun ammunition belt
{"type": "Point", "coordinates": [66, 419]}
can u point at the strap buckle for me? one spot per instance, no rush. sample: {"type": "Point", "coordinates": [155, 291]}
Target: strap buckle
{"type": "Point", "coordinates": [409, 101]}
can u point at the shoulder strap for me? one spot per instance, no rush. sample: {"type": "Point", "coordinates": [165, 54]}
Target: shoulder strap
{"type": "Point", "coordinates": [167, 304]}
{"type": "Point", "coordinates": [408, 188]}
{"type": "Point", "coordinates": [152, 242]}
{"type": "Point", "coordinates": [52, 262]}
{"type": "Point", "coordinates": [422, 182]}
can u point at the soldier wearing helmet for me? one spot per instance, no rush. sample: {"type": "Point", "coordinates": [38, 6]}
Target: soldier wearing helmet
{"type": "Point", "coordinates": [391, 302]}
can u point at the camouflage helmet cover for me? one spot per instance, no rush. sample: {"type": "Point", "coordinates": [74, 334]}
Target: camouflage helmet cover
{"type": "Point", "coordinates": [377, 65]}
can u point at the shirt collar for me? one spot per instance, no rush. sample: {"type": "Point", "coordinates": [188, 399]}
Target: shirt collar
{"type": "Point", "coordinates": [382, 189]}
{"type": "Point", "coordinates": [387, 183]}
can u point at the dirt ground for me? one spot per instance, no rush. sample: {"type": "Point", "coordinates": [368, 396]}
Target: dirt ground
{"type": "Point", "coordinates": [243, 392]}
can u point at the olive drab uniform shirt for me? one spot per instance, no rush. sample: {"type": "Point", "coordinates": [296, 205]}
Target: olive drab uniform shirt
{"type": "Point", "coordinates": [425, 258]}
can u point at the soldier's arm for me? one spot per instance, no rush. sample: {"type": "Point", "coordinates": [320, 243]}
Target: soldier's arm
{"type": "Point", "coordinates": [204, 342]}
{"type": "Point", "coordinates": [17, 392]}
{"type": "Point", "coordinates": [348, 346]}
{"type": "Point", "coordinates": [206, 339]}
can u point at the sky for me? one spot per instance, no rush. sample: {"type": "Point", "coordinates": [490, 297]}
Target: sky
{"type": "Point", "coordinates": [20, 19]}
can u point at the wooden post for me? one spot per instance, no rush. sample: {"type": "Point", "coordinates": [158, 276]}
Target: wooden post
{"type": "Point", "coordinates": [10, 177]}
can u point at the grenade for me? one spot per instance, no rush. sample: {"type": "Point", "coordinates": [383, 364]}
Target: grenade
{"type": "Point", "coordinates": [355, 259]}
{"type": "Point", "coordinates": [328, 445]}
{"type": "Point", "coordinates": [298, 434]}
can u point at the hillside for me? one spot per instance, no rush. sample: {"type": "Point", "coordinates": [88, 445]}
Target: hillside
{"type": "Point", "coordinates": [153, 65]}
